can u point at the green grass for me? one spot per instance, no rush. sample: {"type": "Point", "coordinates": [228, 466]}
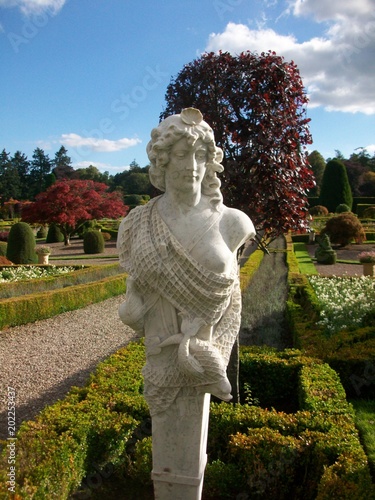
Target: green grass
{"type": "Point", "coordinates": [365, 422]}
{"type": "Point", "coordinates": [304, 260]}
{"type": "Point", "coordinates": [87, 256]}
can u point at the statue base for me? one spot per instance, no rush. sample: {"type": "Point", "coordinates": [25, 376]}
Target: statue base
{"type": "Point", "coordinates": [179, 441]}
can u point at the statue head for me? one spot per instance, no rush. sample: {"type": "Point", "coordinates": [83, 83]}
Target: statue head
{"type": "Point", "coordinates": [189, 124]}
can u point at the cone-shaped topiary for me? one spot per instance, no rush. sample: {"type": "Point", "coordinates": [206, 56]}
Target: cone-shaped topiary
{"type": "Point", "coordinates": [93, 242]}
{"type": "Point", "coordinates": [42, 232]}
{"type": "Point", "coordinates": [335, 188]}
{"type": "Point", "coordinates": [21, 244]}
{"type": "Point", "coordinates": [54, 234]}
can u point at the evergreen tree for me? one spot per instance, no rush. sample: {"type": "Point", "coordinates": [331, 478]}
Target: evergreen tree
{"type": "Point", "coordinates": [63, 165]}
{"type": "Point", "coordinates": [40, 168]}
{"type": "Point", "coordinates": [318, 165]}
{"type": "Point", "coordinates": [335, 186]}
{"type": "Point", "coordinates": [22, 164]}
{"type": "Point", "coordinates": [9, 179]}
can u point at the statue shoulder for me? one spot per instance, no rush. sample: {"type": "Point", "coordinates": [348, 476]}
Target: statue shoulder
{"type": "Point", "coordinates": [237, 227]}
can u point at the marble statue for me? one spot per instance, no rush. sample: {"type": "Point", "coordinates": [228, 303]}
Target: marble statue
{"type": "Point", "coordinates": [180, 252]}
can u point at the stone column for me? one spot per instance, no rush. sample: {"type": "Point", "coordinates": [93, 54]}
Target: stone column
{"type": "Point", "coordinates": [179, 440]}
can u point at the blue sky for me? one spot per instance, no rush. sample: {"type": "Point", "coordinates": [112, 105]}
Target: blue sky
{"type": "Point", "coordinates": [92, 75]}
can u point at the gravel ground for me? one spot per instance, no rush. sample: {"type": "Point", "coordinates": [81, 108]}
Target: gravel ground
{"type": "Point", "coordinates": [43, 360]}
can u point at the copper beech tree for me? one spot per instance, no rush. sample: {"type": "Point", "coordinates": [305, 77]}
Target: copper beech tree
{"type": "Point", "coordinates": [256, 107]}
{"type": "Point", "coordinates": [70, 203]}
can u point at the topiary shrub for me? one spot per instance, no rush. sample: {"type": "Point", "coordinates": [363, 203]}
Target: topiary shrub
{"type": "Point", "coordinates": [369, 213]}
{"type": "Point", "coordinates": [344, 228]}
{"type": "Point", "coordinates": [342, 208]}
{"type": "Point", "coordinates": [21, 244]}
{"type": "Point", "coordinates": [42, 232]}
{"type": "Point", "coordinates": [93, 242]}
{"type": "Point", "coordinates": [318, 210]}
{"type": "Point", "coordinates": [3, 248]}
{"type": "Point", "coordinates": [54, 234]}
{"type": "Point", "coordinates": [335, 187]}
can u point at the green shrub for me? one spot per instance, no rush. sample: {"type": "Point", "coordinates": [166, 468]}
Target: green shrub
{"type": "Point", "coordinates": [335, 188]}
{"type": "Point", "coordinates": [21, 244]}
{"type": "Point", "coordinates": [342, 208]}
{"type": "Point", "coordinates": [369, 213]}
{"type": "Point", "coordinates": [42, 232]}
{"type": "Point", "coordinates": [93, 242]}
{"type": "Point", "coordinates": [54, 234]}
{"type": "Point", "coordinates": [343, 229]}
{"type": "Point", "coordinates": [318, 210]}
{"type": "Point", "coordinates": [3, 248]}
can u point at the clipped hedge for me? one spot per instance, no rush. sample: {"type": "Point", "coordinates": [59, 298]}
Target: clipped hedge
{"type": "Point", "coordinates": [350, 353]}
{"type": "Point", "coordinates": [259, 453]}
{"type": "Point", "coordinates": [88, 429]}
{"type": "Point", "coordinates": [26, 309]}
{"type": "Point", "coordinates": [312, 453]}
{"type": "Point", "coordinates": [79, 276]}
{"type": "Point", "coordinates": [249, 268]}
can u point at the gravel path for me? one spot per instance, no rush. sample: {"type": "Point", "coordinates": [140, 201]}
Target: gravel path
{"type": "Point", "coordinates": [43, 360]}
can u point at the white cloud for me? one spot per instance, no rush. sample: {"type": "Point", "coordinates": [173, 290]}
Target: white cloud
{"type": "Point", "coordinates": [337, 67]}
{"type": "Point", "coordinates": [321, 10]}
{"type": "Point", "coordinates": [29, 7]}
{"type": "Point", "coordinates": [98, 145]}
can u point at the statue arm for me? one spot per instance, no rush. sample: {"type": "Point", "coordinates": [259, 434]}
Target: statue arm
{"type": "Point", "coordinates": [237, 228]}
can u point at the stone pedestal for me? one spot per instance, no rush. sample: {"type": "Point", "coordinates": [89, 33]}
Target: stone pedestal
{"type": "Point", "coordinates": [368, 268]}
{"type": "Point", "coordinates": [43, 258]}
{"type": "Point", "coordinates": [179, 440]}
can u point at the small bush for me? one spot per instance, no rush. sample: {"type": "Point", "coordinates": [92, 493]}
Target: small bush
{"type": "Point", "coordinates": [21, 244]}
{"type": "Point", "coordinates": [42, 232]}
{"type": "Point", "coordinates": [344, 228]}
{"type": "Point", "coordinates": [93, 242]}
{"type": "Point", "coordinates": [318, 210]}
{"type": "Point", "coordinates": [54, 234]}
{"type": "Point", "coordinates": [369, 213]}
{"type": "Point", "coordinates": [342, 208]}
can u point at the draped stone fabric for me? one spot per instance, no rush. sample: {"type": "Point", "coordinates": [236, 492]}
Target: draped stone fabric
{"type": "Point", "coordinates": [173, 284]}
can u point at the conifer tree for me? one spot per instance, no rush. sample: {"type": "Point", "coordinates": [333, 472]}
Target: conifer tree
{"type": "Point", "coordinates": [335, 186]}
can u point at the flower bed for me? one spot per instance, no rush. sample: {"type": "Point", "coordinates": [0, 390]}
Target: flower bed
{"type": "Point", "coordinates": [345, 302]}
{"type": "Point", "coordinates": [21, 273]}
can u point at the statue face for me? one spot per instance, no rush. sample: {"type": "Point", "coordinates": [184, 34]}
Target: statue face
{"type": "Point", "coordinates": [187, 164]}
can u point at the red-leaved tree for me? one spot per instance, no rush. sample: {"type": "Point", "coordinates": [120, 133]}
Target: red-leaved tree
{"type": "Point", "coordinates": [70, 203]}
{"type": "Point", "coordinates": [256, 107]}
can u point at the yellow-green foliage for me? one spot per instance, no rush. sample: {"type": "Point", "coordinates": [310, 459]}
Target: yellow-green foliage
{"type": "Point", "coordinates": [258, 452]}
{"type": "Point", "coordinates": [91, 426]}
{"type": "Point", "coordinates": [79, 276]}
{"type": "Point", "coordinates": [276, 454]}
{"type": "Point", "coordinates": [251, 265]}
{"type": "Point", "coordinates": [350, 353]}
{"type": "Point", "coordinates": [22, 310]}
